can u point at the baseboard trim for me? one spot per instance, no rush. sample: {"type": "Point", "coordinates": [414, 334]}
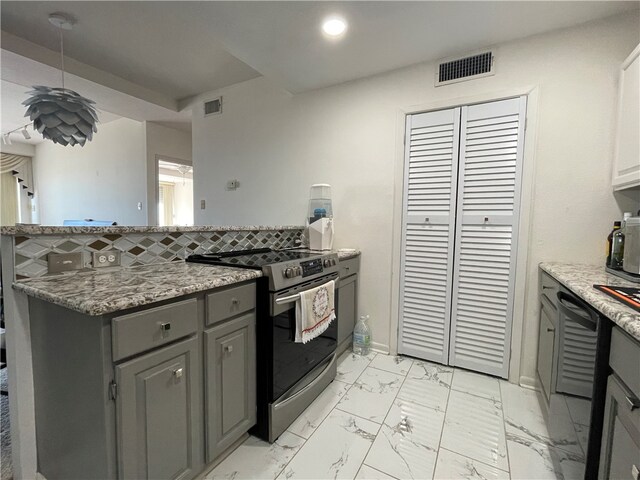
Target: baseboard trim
{"type": "Point", "coordinates": [528, 382]}
{"type": "Point", "coordinates": [380, 347]}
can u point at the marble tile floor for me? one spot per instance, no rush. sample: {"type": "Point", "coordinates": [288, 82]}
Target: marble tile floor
{"type": "Point", "coordinates": [388, 417]}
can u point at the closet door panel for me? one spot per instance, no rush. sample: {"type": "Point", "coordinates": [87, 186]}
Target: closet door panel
{"type": "Point", "coordinates": [431, 160]}
{"type": "Point", "coordinates": [488, 202]}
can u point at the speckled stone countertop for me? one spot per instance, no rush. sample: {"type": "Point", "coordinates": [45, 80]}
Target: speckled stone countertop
{"type": "Point", "coordinates": [343, 253]}
{"type": "Point", "coordinates": [580, 279]}
{"type": "Point", "coordinates": [98, 292]}
{"type": "Point", "coordinates": [56, 230]}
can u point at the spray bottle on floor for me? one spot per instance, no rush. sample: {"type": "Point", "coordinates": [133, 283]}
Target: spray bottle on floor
{"type": "Point", "coordinates": [362, 336]}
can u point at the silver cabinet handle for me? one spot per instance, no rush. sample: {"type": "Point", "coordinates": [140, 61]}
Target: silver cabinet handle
{"type": "Point", "coordinates": [228, 348]}
{"type": "Point", "coordinates": [165, 327]}
{"type": "Point", "coordinates": [234, 301]}
{"type": "Point", "coordinates": [635, 472]}
{"type": "Point", "coordinates": [633, 402]}
{"type": "Point", "coordinates": [178, 373]}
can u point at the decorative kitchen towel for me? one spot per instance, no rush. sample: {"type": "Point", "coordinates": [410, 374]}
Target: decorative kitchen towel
{"type": "Point", "coordinates": [315, 310]}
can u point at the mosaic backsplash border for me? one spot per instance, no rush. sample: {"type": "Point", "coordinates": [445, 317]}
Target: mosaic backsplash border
{"type": "Point", "coordinates": [144, 248]}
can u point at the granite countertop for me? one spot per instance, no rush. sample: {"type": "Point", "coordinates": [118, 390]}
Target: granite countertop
{"type": "Point", "coordinates": [102, 291]}
{"type": "Point", "coordinates": [98, 292]}
{"type": "Point", "coordinates": [580, 280]}
{"type": "Point", "coordinates": [58, 230]}
{"type": "Point", "coordinates": [343, 253]}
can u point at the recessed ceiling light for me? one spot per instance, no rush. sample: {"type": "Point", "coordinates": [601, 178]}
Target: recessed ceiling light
{"type": "Point", "coordinates": [334, 26]}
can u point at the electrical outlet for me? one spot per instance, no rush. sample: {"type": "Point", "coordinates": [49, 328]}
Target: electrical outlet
{"type": "Point", "coordinates": [107, 258]}
{"type": "Point", "coordinates": [203, 204]}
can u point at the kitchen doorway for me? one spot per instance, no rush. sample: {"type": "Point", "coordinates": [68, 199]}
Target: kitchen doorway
{"type": "Point", "coordinates": [174, 183]}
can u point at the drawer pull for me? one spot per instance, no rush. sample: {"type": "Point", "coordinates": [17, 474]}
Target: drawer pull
{"type": "Point", "coordinates": [635, 472]}
{"type": "Point", "coordinates": [633, 402]}
{"type": "Point", "coordinates": [165, 328]}
{"type": "Point", "coordinates": [546, 287]}
{"type": "Point", "coordinates": [551, 329]}
{"type": "Point", "coordinates": [234, 301]}
{"type": "Point", "coordinates": [228, 348]}
{"type": "Point", "coordinates": [178, 373]}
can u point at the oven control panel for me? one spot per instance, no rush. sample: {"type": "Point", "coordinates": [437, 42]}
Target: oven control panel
{"type": "Point", "coordinates": [311, 267]}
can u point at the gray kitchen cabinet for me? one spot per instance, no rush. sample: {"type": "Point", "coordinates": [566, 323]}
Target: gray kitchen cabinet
{"type": "Point", "coordinates": [346, 309]}
{"type": "Point", "coordinates": [546, 342]}
{"type": "Point", "coordinates": [230, 360]}
{"type": "Point", "coordinates": [620, 453]}
{"type": "Point", "coordinates": [148, 392]}
{"type": "Point", "coordinates": [547, 334]}
{"type": "Point", "coordinates": [620, 450]}
{"type": "Point", "coordinates": [157, 409]}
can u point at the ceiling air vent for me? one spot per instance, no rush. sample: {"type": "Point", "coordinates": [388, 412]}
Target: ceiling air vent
{"type": "Point", "coordinates": [467, 68]}
{"type": "Point", "coordinates": [213, 107]}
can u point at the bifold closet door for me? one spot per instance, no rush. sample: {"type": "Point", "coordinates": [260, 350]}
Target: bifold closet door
{"type": "Point", "coordinates": [488, 204]}
{"type": "Point", "coordinates": [431, 163]}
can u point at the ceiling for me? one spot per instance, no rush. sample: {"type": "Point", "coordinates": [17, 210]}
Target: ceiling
{"type": "Point", "coordinates": [181, 49]}
{"type": "Point", "coordinates": [140, 59]}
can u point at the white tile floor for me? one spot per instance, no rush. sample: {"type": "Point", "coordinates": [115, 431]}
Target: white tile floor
{"type": "Point", "coordinates": [392, 417]}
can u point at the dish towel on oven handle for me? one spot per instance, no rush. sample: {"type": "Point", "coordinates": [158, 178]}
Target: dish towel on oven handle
{"type": "Point", "coordinates": [315, 310]}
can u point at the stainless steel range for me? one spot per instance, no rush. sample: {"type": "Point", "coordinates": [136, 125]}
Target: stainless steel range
{"type": "Point", "coordinates": [290, 375]}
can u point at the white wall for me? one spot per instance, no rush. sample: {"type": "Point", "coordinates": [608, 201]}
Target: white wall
{"type": "Point", "coordinates": [169, 143]}
{"type": "Point", "coordinates": [349, 136]}
{"type": "Point", "coordinates": [103, 180]}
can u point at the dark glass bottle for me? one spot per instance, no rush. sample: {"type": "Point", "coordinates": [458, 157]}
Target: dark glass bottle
{"type": "Point", "coordinates": [616, 226]}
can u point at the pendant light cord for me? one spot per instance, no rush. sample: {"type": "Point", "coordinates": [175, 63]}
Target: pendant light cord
{"type": "Point", "coordinates": [62, 56]}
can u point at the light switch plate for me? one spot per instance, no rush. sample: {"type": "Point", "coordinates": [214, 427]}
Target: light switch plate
{"type": "Point", "coordinates": [64, 262]}
{"type": "Point", "coordinates": [106, 258]}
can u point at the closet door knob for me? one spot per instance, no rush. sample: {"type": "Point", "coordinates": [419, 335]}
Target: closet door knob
{"type": "Point", "coordinates": [486, 219]}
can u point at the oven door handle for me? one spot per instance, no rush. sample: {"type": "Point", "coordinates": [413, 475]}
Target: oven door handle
{"type": "Point", "coordinates": [290, 298]}
{"type": "Point", "coordinates": [296, 296]}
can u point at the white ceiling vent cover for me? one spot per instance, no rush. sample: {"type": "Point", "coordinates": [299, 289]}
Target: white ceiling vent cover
{"type": "Point", "coordinates": [467, 68]}
{"type": "Point", "coordinates": [213, 107]}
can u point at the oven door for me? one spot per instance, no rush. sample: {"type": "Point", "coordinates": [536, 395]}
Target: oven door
{"type": "Point", "coordinates": [292, 361]}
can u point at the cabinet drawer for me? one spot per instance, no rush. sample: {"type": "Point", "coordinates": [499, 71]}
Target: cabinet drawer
{"type": "Point", "coordinates": [349, 267]}
{"type": "Point", "coordinates": [230, 302]}
{"type": "Point", "coordinates": [140, 331]}
{"type": "Point", "coordinates": [549, 288]}
{"type": "Point", "coordinates": [625, 359]}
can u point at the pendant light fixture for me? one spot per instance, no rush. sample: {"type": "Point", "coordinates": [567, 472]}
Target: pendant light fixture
{"type": "Point", "coordinates": [59, 114]}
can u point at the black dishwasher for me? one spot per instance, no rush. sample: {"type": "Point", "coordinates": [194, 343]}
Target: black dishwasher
{"type": "Point", "coordinates": [586, 368]}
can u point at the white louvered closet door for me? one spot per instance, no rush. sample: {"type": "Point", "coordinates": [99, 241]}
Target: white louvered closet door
{"type": "Point", "coordinates": [488, 205]}
{"type": "Point", "coordinates": [431, 161]}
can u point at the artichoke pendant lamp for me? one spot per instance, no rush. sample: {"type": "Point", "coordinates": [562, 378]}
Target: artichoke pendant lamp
{"type": "Point", "coordinates": [59, 114]}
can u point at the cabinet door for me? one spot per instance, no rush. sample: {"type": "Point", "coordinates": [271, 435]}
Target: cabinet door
{"type": "Point", "coordinates": [158, 412]}
{"type": "Point", "coordinates": [546, 338]}
{"type": "Point", "coordinates": [346, 308]}
{"type": "Point", "coordinates": [626, 169]}
{"type": "Point", "coordinates": [620, 455]}
{"type": "Point", "coordinates": [230, 351]}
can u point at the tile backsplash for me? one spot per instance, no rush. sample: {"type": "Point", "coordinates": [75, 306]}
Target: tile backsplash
{"type": "Point", "coordinates": [143, 248]}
